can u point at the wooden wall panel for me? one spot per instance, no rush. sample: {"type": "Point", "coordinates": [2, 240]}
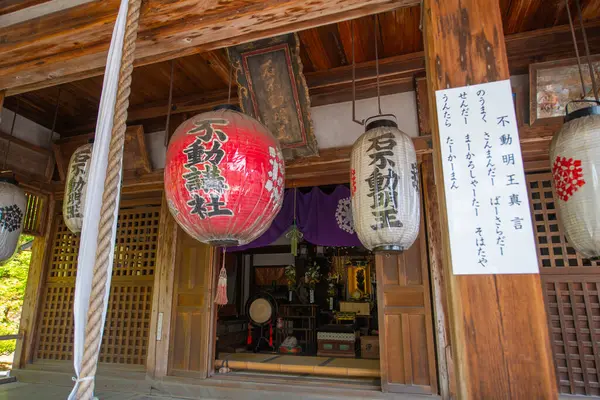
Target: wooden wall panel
{"type": "Point", "coordinates": [162, 305]}
{"type": "Point", "coordinates": [574, 323]}
{"type": "Point", "coordinates": [403, 293]}
{"type": "Point", "coordinates": [127, 326]}
{"type": "Point", "coordinates": [192, 308]}
{"type": "Point", "coordinates": [571, 288]}
{"type": "Point", "coordinates": [554, 253]}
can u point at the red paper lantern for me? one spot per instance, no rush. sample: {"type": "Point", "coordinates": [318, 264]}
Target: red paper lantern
{"type": "Point", "coordinates": [224, 177]}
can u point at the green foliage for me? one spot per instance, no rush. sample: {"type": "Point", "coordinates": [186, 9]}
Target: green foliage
{"type": "Point", "coordinates": [13, 280]}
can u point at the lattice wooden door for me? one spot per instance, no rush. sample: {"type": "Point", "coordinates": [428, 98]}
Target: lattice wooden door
{"type": "Point", "coordinates": [125, 338]}
{"type": "Point", "coordinates": [571, 288]}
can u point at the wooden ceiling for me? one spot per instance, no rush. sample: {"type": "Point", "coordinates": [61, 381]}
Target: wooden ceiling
{"type": "Point", "coordinates": [326, 53]}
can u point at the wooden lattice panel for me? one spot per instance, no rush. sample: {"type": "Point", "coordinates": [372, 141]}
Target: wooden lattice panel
{"type": "Point", "coordinates": [65, 248]}
{"type": "Point", "coordinates": [127, 327]}
{"type": "Point", "coordinates": [125, 338]}
{"type": "Point", "coordinates": [137, 238]}
{"type": "Point", "coordinates": [35, 215]}
{"type": "Point", "coordinates": [56, 322]}
{"type": "Point", "coordinates": [574, 322]}
{"type": "Point", "coordinates": [554, 253]}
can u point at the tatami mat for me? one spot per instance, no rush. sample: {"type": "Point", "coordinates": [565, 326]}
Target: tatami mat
{"type": "Point", "coordinates": [253, 357]}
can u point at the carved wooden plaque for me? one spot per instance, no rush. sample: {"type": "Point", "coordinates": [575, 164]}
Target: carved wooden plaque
{"type": "Point", "coordinates": [272, 89]}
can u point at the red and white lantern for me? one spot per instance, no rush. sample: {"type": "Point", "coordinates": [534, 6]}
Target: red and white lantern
{"type": "Point", "coordinates": [224, 177]}
{"type": "Point", "coordinates": [575, 163]}
{"type": "Point", "coordinates": [13, 205]}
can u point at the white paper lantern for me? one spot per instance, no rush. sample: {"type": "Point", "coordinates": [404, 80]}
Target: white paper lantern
{"type": "Point", "coordinates": [384, 180]}
{"type": "Point", "coordinates": [76, 187]}
{"type": "Point", "coordinates": [13, 205]}
{"type": "Point", "coordinates": [575, 163]}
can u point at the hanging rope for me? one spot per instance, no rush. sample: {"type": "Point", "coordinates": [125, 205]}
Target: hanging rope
{"type": "Point", "coordinates": [294, 234]}
{"type": "Point", "coordinates": [109, 204]}
{"type": "Point", "coordinates": [9, 141]}
{"type": "Point", "coordinates": [170, 109]}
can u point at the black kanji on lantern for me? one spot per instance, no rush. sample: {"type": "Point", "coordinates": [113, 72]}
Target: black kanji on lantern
{"type": "Point", "coordinates": [216, 205]}
{"type": "Point", "coordinates": [383, 188]}
{"type": "Point", "coordinates": [196, 153]}
{"type": "Point", "coordinates": [204, 181]}
{"type": "Point", "coordinates": [78, 165]}
{"type": "Point", "coordinates": [212, 180]}
{"type": "Point", "coordinates": [386, 219]}
{"type": "Point", "coordinates": [208, 127]}
{"type": "Point", "coordinates": [382, 146]}
{"type": "Point", "coordinates": [193, 179]}
{"type": "Point", "coordinates": [414, 176]}
{"type": "Point", "coordinates": [198, 206]}
{"type": "Point", "coordinates": [11, 217]}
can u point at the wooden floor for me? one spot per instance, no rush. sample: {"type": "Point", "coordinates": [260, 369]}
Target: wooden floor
{"type": "Point", "coordinates": [322, 366]}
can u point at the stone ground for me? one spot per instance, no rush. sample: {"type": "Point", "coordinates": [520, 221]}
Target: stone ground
{"type": "Point", "coordinates": [34, 391]}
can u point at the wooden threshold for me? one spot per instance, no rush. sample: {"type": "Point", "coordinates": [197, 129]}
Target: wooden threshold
{"type": "Point", "coordinates": [258, 386]}
{"type": "Point", "coordinates": [322, 366]}
{"type": "Point", "coordinates": [309, 381]}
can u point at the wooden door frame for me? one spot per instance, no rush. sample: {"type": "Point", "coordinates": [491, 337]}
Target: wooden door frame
{"type": "Point", "coordinates": [434, 366]}
{"type": "Point", "coordinates": [36, 281]}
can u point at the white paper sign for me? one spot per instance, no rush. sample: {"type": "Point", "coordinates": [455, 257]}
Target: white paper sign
{"type": "Point", "coordinates": [486, 192]}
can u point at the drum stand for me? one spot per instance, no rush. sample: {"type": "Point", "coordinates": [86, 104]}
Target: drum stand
{"type": "Point", "coordinates": [261, 339]}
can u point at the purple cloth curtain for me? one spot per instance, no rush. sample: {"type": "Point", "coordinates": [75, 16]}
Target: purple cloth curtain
{"type": "Point", "coordinates": [324, 219]}
{"type": "Point", "coordinates": [280, 225]}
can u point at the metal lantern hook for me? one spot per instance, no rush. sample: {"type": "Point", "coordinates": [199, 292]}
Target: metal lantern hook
{"type": "Point", "coordinates": [587, 51]}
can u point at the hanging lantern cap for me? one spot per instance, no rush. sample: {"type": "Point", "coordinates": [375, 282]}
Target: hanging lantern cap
{"type": "Point", "coordinates": [223, 243]}
{"type": "Point", "coordinates": [389, 249]}
{"type": "Point", "coordinates": [231, 107]}
{"type": "Point", "coordinates": [9, 179]}
{"type": "Point", "coordinates": [377, 121]}
{"type": "Point", "coordinates": [582, 112]}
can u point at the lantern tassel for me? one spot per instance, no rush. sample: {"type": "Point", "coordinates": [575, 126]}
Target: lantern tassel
{"type": "Point", "coordinates": [221, 298]}
{"type": "Point", "coordinates": [249, 341]}
{"type": "Point", "coordinates": [294, 234]}
{"type": "Point", "coordinates": [270, 334]}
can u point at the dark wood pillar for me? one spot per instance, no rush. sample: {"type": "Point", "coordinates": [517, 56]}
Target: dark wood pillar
{"type": "Point", "coordinates": [500, 341]}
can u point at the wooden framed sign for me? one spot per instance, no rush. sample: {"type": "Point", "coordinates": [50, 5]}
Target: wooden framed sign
{"type": "Point", "coordinates": [553, 84]}
{"type": "Point", "coordinates": [272, 89]}
{"type": "Point", "coordinates": [486, 194]}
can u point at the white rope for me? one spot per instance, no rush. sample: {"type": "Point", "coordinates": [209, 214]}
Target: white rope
{"type": "Point", "coordinates": [93, 200]}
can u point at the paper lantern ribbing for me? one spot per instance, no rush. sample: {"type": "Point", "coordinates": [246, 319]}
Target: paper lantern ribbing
{"type": "Point", "coordinates": [384, 180]}
{"type": "Point", "coordinates": [224, 178]}
{"type": "Point", "coordinates": [575, 163]}
{"type": "Point", "coordinates": [13, 206]}
{"type": "Point", "coordinates": [76, 187]}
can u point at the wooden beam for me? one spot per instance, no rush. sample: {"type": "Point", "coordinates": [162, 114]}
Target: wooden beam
{"type": "Point", "coordinates": [332, 166]}
{"type": "Point", "coordinates": [17, 11]}
{"type": "Point", "coordinates": [2, 97]}
{"type": "Point", "coordinates": [500, 338]}
{"type": "Point", "coordinates": [219, 63]}
{"type": "Point", "coordinates": [396, 73]}
{"type": "Point", "coordinates": [73, 44]}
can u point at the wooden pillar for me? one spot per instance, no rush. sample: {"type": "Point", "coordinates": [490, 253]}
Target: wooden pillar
{"type": "Point", "coordinates": [40, 252]}
{"type": "Point", "coordinates": [162, 301]}
{"type": "Point", "coordinates": [2, 97]}
{"type": "Point", "coordinates": [438, 281]}
{"type": "Point", "coordinates": [498, 325]}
